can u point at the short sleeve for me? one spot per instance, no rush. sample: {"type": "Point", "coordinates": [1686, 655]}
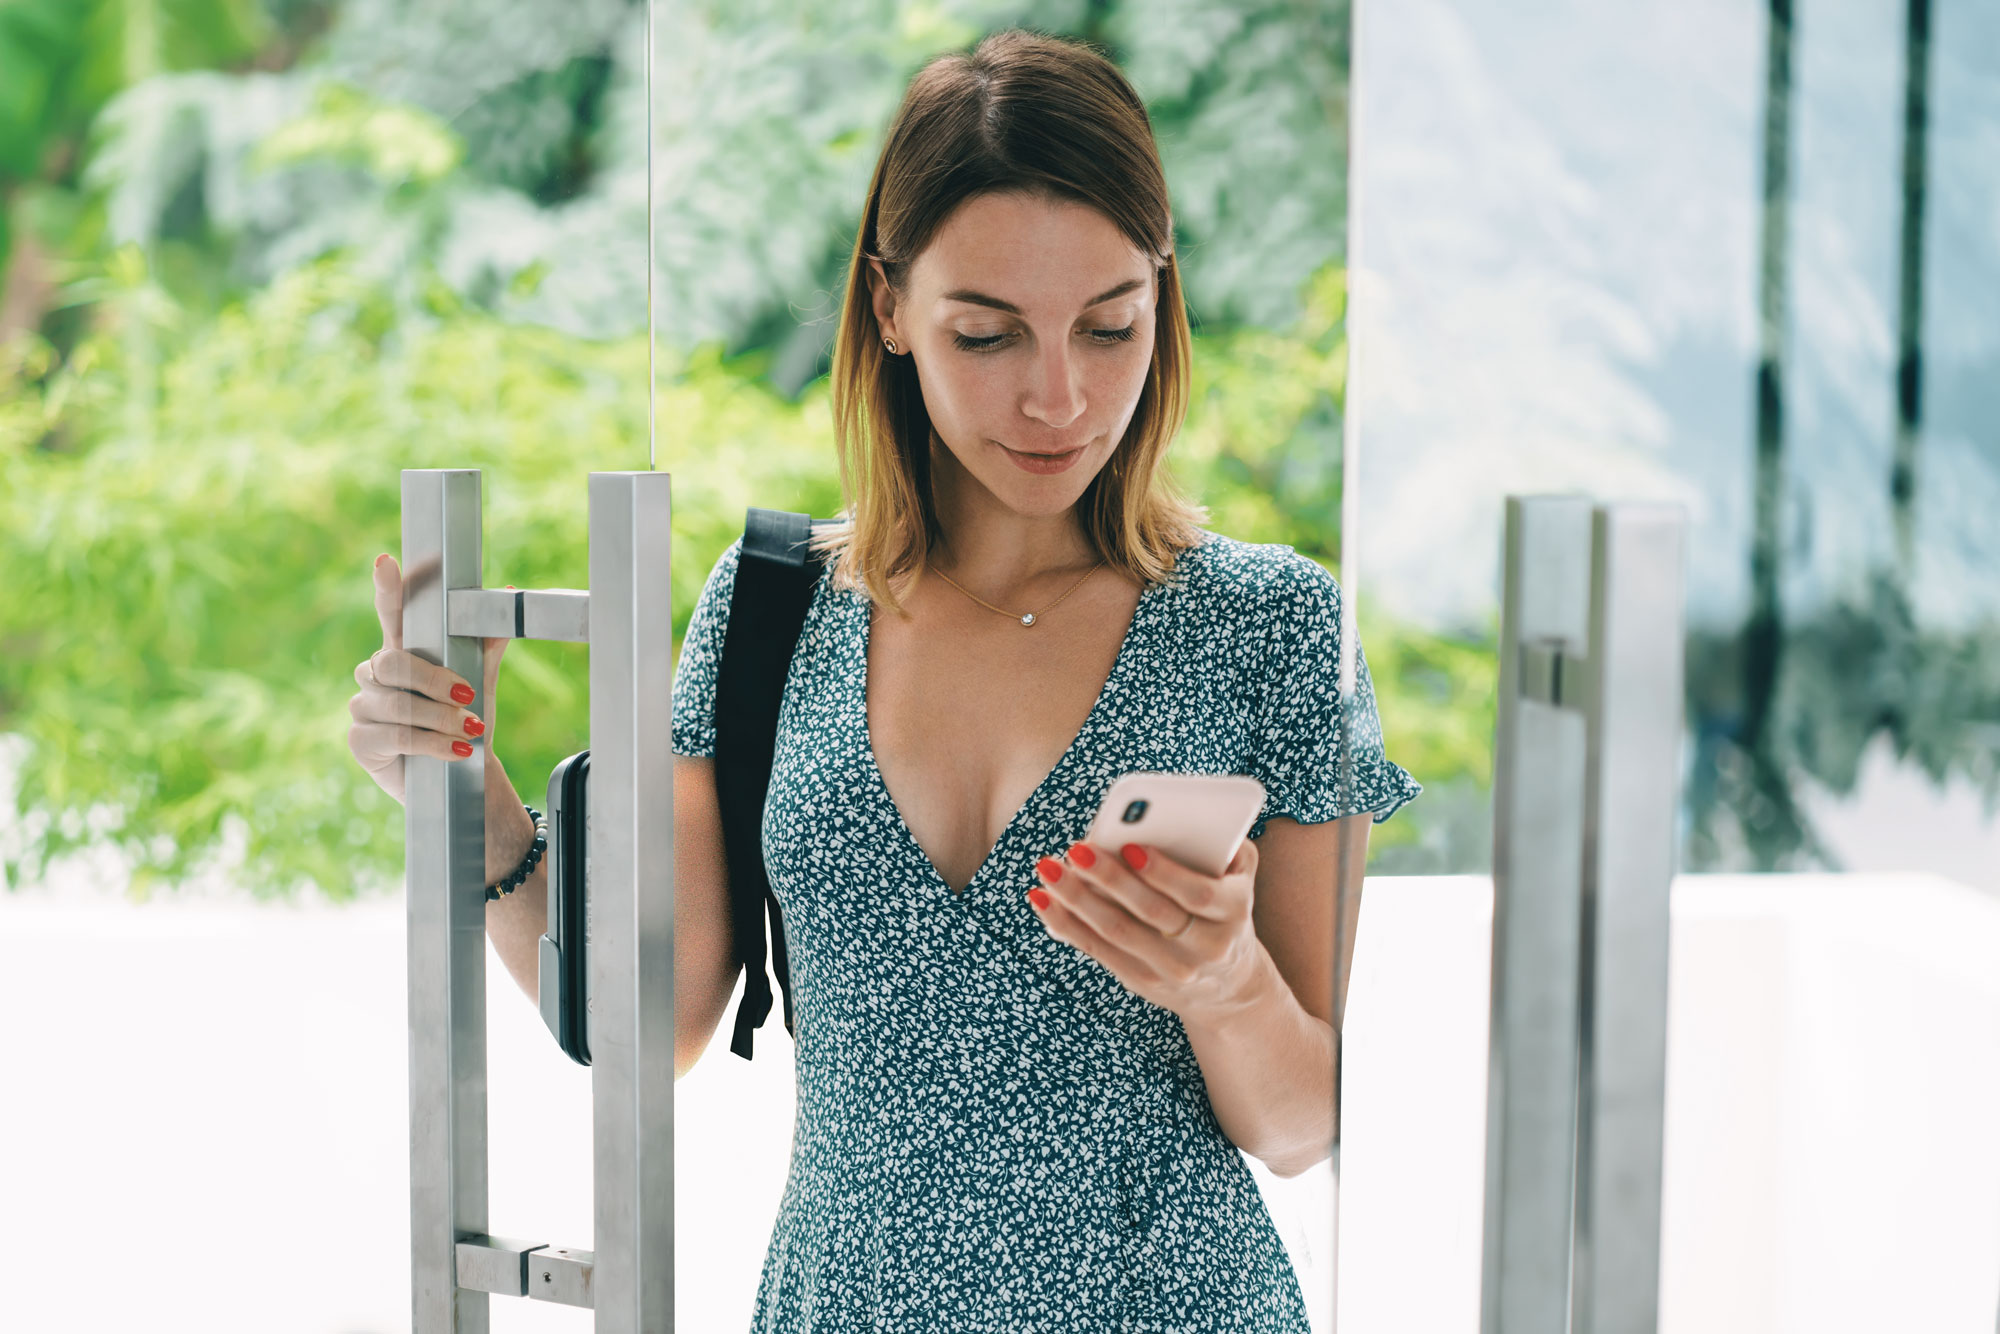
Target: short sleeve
{"type": "Point", "coordinates": [1299, 730]}
{"type": "Point", "coordinates": [701, 658]}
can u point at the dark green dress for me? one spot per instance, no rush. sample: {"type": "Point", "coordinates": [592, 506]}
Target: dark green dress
{"type": "Point", "coordinates": [993, 1133]}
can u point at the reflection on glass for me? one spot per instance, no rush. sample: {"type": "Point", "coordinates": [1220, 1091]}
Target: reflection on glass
{"type": "Point", "coordinates": [1775, 314]}
{"type": "Point", "coordinates": [259, 258]}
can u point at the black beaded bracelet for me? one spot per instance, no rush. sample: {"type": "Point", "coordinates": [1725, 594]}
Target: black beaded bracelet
{"type": "Point", "coordinates": [528, 863]}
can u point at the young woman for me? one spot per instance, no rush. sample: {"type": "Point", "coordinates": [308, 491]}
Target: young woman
{"type": "Point", "coordinates": [1025, 1064]}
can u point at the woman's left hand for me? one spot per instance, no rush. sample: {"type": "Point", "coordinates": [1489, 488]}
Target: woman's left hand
{"type": "Point", "coordinates": [1126, 909]}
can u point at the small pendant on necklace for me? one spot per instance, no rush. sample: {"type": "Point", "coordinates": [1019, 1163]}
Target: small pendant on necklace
{"type": "Point", "coordinates": [1029, 619]}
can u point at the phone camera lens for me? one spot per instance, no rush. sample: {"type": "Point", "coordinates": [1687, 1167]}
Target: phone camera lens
{"type": "Point", "coordinates": [1134, 812]}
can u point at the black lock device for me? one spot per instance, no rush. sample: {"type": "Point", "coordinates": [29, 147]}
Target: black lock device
{"type": "Point", "coordinates": [563, 970]}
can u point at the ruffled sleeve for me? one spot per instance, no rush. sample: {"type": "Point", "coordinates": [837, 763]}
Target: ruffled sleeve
{"type": "Point", "coordinates": [1298, 722]}
{"type": "Point", "coordinates": [701, 658]}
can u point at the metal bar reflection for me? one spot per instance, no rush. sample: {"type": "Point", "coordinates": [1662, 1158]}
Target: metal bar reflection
{"type": "Point", "coordinates": [1631, 798]}
{"type": "Point", "coordinates": [1586, 787]}
{"type": "Point", "coordinates": [1537, 866]}
{"type": "Point", "coordinates": [444, 838]}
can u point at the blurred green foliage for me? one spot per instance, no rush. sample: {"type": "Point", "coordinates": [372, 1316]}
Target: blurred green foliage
{"type": "Point", "coordinates": [269, 291]}
{"type": "Point", "coordinates": [190, 604]}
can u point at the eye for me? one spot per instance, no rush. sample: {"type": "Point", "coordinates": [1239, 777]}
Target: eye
{"type": "Point", "coordinates": [1104, 336]}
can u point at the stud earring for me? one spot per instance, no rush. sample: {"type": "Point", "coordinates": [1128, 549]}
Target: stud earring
{"type": "Point", "coordinates": [890, 343]}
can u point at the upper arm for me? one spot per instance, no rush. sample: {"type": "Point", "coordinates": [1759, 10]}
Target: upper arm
{"type": "Point", "coordinates": [1309, 875]}
{"type": "Point", "coordinates": [700, 661]}
{"type": "Point", "coordinates": [705, 959]}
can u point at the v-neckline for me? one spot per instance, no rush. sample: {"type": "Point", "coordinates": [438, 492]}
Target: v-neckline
{"type": "Point", "coordinates": [1112, 679]}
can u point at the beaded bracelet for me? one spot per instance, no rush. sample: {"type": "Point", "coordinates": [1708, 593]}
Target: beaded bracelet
{"type": "Point", "coordinates": [528, 863]}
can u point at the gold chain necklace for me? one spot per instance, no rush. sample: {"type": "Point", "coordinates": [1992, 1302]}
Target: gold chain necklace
{"type": "Point", "coordinates": [1032, 616]}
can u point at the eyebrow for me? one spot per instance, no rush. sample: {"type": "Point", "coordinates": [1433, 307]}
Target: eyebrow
{"type": "Point", "coordinates": [981, 299]}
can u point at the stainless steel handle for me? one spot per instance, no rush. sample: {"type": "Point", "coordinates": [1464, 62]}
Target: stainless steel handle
{"type": "Point", "coordinates": [454, 1263]}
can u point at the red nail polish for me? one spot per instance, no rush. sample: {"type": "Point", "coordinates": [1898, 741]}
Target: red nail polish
{"type": "Point", "coordinates": [462, 693]}
{"type": "Point", "coordinates": [1049, 869]}
{"type": "Point", "coordinates": [1134, 855]}
{"type": "Point", "coordinates": [461, 749]}
{"type": "Point", "coordinates": [1039, 898]}
{"type": "Point", "coordinates": [473, 727]}
{"type": "Point", "coordinates": [1081, 854]}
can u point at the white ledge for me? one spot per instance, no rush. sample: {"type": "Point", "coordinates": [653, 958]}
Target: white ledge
{"type": "Point", "coordinates": [1833, 1093]}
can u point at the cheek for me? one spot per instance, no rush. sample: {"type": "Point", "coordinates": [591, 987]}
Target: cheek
{"type": "Point", "coordinates": [957, 394]}
{"type": "Point", "coordinates": [1128, 382]}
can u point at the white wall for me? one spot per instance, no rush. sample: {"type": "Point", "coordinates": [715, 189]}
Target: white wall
{"type": "Point", "coordinates": [217, 1089]}
{"type": "Point", "coordinates": [1833, 1084]}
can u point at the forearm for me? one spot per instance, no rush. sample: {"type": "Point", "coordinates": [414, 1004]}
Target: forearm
{"type": "Point", "coordinates": [515, 921]}
{"type": "Point", "coordinates": [1269, 1070]}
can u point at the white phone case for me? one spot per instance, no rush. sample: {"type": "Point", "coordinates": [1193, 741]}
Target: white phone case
{"type": "Point", "coordinates": [1197, 819]}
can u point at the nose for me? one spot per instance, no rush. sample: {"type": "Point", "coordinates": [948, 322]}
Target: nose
{"type": "Point", "coordinates": [1055, 396]}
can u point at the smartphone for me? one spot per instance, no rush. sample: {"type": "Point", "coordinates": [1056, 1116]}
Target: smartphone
{"type": "Point", "coordinates": [563, 965]}
{"type": "Point", "coordinates": [1197, 819]}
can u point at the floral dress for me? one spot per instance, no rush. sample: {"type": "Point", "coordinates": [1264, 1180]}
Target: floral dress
{"type": "Point", "coordinates": [993, 1133]}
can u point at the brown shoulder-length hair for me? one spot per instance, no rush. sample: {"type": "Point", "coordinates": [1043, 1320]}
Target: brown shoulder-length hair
{"type": "Point", "coordinates": [1023, 113]}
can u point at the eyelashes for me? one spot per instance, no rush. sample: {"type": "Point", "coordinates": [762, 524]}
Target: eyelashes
{"type": "Point", "coordinates": [1105, 336]}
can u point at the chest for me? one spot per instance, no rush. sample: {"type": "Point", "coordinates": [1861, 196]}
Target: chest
{"type": "Point", "coordinates": [968, 712]}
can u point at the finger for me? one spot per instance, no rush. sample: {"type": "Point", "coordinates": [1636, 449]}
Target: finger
{"type": "Point", "coordinates": [399, 669]}
{"type": "Point", "coordinates": [1073, 929]}
{"type": "Point", "coordinates": [389, 600]}
{"type": "Point", "coordinates": [1121, 914]}
{"type": "Point", "coordinates": [379, 704]}
{"type": "Point", "coordinates": [1106, 877]}
{"type": "Point", "coordinates": [1183, 887]}
{"type": "Point", "coordinates": [390, 740]}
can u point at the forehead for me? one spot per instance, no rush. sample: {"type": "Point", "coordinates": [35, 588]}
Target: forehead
{"type": "Point", "coordinates": [1031, 252]}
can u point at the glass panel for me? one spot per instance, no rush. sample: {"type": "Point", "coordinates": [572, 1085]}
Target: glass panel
{"type": "Point", "coordinates": [256, 258]}
{"type": "Point", "coordinates": [1743, 257]}
{"type": "Point", "coordinates": [1547, 309]}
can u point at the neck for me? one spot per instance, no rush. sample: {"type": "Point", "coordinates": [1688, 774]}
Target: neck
{"type": "Point", "coordinates": [995, 551]}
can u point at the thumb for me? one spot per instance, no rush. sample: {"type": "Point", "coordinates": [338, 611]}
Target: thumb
{"type": "Point", "coordinates": [389, 600]}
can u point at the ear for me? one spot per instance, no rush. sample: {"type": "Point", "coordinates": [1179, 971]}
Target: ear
{"type": "Point", "coordinates": [883, 301]}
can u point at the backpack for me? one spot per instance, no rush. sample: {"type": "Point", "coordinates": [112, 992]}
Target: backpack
{"type": "Point", "coordinates": [775, 577]}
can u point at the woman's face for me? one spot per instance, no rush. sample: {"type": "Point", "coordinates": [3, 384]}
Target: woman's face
{"type": "Point", "coordinates": [1031, 325]}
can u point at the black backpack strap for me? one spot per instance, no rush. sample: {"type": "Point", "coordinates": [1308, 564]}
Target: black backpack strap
{"type": "Point", "coordinates": [775, 577]}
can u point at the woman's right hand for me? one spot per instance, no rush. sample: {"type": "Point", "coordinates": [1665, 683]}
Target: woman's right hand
{"type": "Point", "coordinates": [406, 705]}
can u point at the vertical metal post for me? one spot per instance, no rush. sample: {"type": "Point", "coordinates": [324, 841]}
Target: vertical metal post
{"type": "Point", "coordinates": [1537, 863]}
{"type": "Point", "coordinates": [444, 833]}
{"type": "Point", "coordinates": [632, 894]}
{"type": "Point", "coordinates": [1586, 788]}
{"type": "Point", "coordinates": [1634, 696]}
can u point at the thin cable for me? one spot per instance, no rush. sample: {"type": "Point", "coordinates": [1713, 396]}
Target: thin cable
{"type": "Point", "coordinates": [1350, 543]}
{"type": "Point", "coordinates": [652, 378]}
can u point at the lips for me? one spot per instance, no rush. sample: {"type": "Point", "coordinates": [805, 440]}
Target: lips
{"type": "Point", "coordinates": [1044, 465]}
